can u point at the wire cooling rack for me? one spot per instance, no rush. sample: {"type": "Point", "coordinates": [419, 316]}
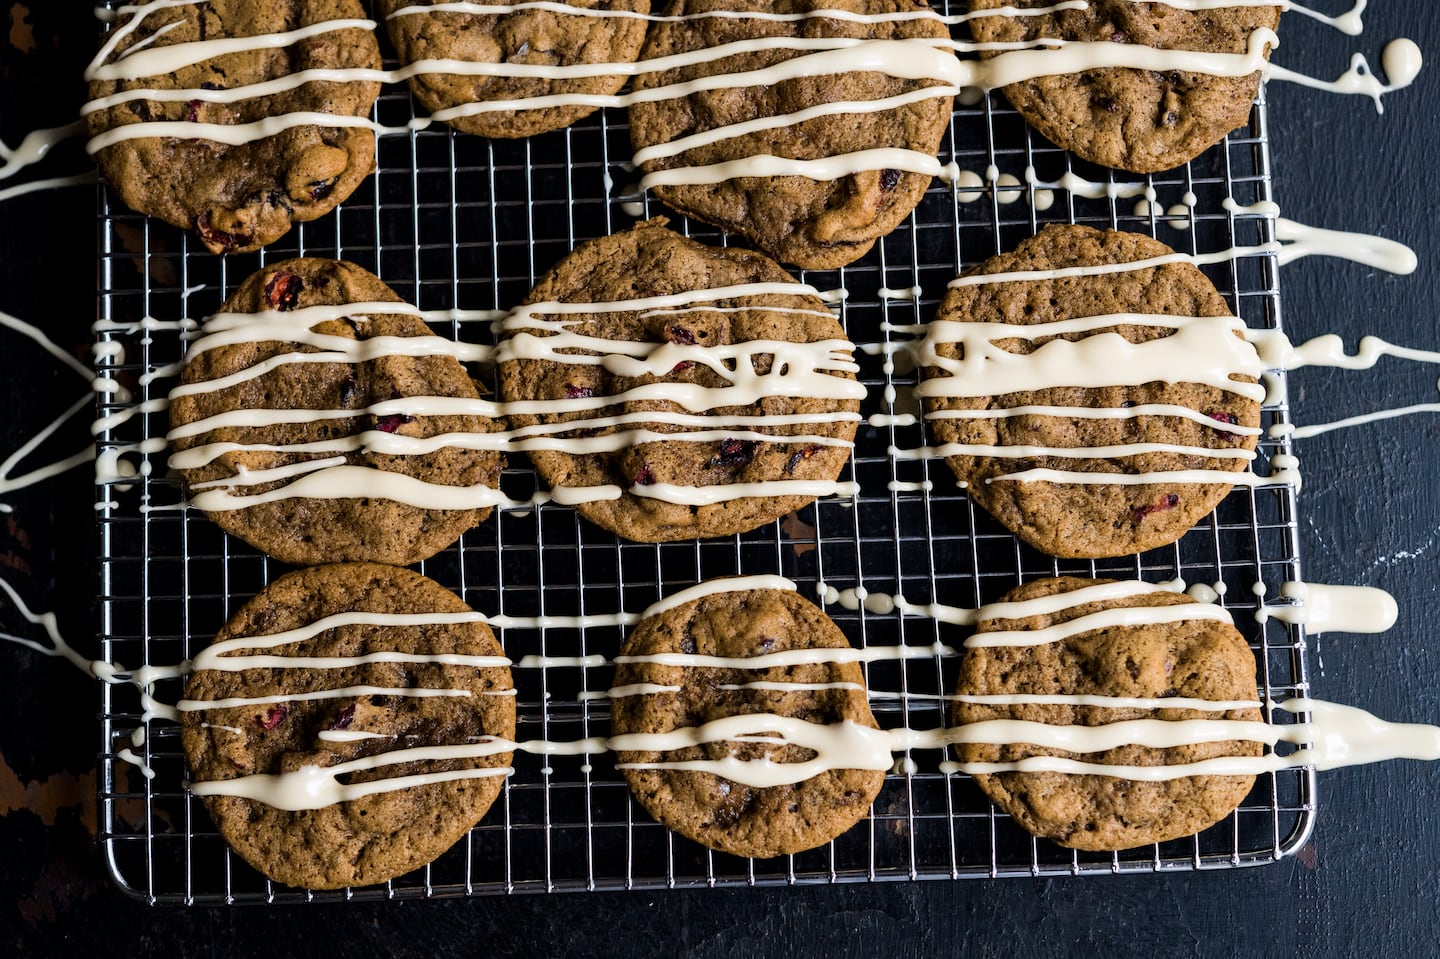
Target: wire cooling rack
{"type": "Point", "coordinates": [456, 221]}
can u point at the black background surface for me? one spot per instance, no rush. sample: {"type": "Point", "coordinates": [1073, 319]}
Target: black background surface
{"type": "Point", "coordinates": [1365, 884]}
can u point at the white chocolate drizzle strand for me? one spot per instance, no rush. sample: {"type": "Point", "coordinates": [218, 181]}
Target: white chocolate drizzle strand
{"type": "Point", "coordinates": [1201, 349]}
{"type": "Point", "coordinates": [10, 483]}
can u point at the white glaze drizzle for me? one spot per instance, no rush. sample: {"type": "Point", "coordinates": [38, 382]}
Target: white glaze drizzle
{"type": "Point", "coordinates": [1335, 736]}
{"type": "Point", "coordinates": [1022, 451]}
{"type": "Point", "coordinates": [1402, 61]}
{"type": "Point", "coordinates": [343, 692]}
{"type": "Point", "coordinates": [715, 587]}
{"type": "Point", "coordinates": [87, 178]}
{"type": "Point", "coordinates": [1201, 350]}
{"type": "Point", "coordinates": [156, 61]}
{"type": "Point", "coordinates": [8, 483]}
{"type": "Point", "coordinates": [1348, 22]}
{"type": "Point", "coordinates": [1101, 413]}
{"type": "Point", "coordinates": [33, 149]}
{"type": "Point", "coordinates": [1295, 241]}
{"type": "Point", "coordinates": [1104, 619]}
{"type": "Point", "coordinates": [1339, 609]}
{"type": "Point", "coordinates": [1279, 353]}
{"type": "Point", "coordinates": [534, 437]}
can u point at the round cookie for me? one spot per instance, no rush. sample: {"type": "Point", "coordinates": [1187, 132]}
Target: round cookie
{"type": "Point", "coordinates": [813, 224]}
{"type": "Point", "coordinates": [309, 530]}
{"type": "Point", "coordinates": [648, 261]}
{"type": "Point", "coordinates": [369, 838]}
{"type": "Point", "coordinates": [1072, 519]}
{"type": "Point", "coordinates": [239, 198]}
{"type": "Point", "coordinates": [530, 37]}
{"type": "Point", "coordinates": [720, 813]}
{"type": "Point", "coordinates": [1195, 659]}
{"type": "Point", "coordinates": [1138, 120]}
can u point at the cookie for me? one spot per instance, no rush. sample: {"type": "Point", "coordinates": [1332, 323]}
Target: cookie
{"type": "Point", "coordinates": [376, 835]}
{"type": "Point", "coordinates": [1069, 518]}
{"type": "Point", "coordinates": [1191, 659]}
{"type": "Point", "coordinates": [238, 197]}
{"type": "Point", "coordinates": [531, 37]}
{"type": "Point", "coordinates": [1143, 121]}
{"type": "Point", "coordinates": [813, 224]}
{"type": "Point", "coordinates": [303, 528]}
{"type": "Point", "coordinates": [717, 812]}
{"type": "Point", "coordinates": [750, 441]}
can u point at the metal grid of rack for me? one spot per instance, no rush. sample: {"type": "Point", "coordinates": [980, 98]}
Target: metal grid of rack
{"type": "Point", "coordinates": [452, 221]}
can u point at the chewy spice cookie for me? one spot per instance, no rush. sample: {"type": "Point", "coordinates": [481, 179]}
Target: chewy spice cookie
{"type": "Point", "coordinates": [813, 224]}
{"type": "Point", "coordinates": [1143, 121]}
{"type": "Point", "coordinates": [1191, 659]}
{"type": "Point", "coordinates": [527, 37]}
{"type": "Point", "coordinates": [1072, 519]}
{"type": "Point", "coordinates": [650, 261]}
{"type": "Point", "coordinates": [307, 530]}
{"type": "Point", "coordinates": [240, 197]}
{"type": "Point", "coordinates": [286, 723]}
{"type": "Point", "coordinates": [717, 812]}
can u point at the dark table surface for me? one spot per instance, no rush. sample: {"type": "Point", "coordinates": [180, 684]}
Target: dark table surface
{"type": "Point", "coordinates": [1365, 884]}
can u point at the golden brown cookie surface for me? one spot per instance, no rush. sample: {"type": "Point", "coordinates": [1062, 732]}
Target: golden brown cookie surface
{"type": "Point", "coordinates": [813, 224]}
{"type": "Point", "coordinates": [717, 812]}
{"type": "Point", "coordinates": [389, 832]}
{"type": "Point", "coordinates": [1138, 120]}
{"type": "Point", "coordinates": [1073, 519]}
{"type": "Point", "coordinates": [303, 529]}
{"type": "Point", "coordinates": [650, 261]}
{"type": "Point", "coordinates": [1193, 659]}
{"type": "Point", "coordinates": [528, 37]}
{"type": "Point", "coordinates": [240, 197]}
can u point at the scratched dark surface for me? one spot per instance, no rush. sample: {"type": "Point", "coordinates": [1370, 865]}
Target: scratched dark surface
{"type": "Point", "coordinates": [1366, 883]}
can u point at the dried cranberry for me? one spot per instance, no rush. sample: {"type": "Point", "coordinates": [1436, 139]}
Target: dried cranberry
{"type": "Point", "coordinates": [888, 179]}
{"type": "Point", "coordinates": [218, 241]}
{"type": "Point", "coordinates": [1224, 417]}
{"type": "Point", "coordinates": [282, 291]}
{"type": "Point", "coordinates": [320, 189]}
{"type": "Point", "coordinates": [348, 389]}
{"type": "Point", "coordinates": [735, 453]}
{"type": "Point", "coordinates": [273, 717]}
{"type": "Point", "coordinates": [1106, 104]}
{"type": "Point", "coordinates": [1169, 501]}
{"type": "Point", "coordinates": [676, 333]}
{"type": "Point", "coordinates": [680, 336]}
{"type": "Point", "coordinates": [578, 392]}
{"type": "Point", "coordinates": [344, 718]}
{"type": "Point", "coordinates": [645, 477]}
{"type": "Point", "coordinates": [192, 111]}
{"type": "Point", "coordinates": [804, 454]}
{"type": "Point", "coordinates": [393, 422]}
